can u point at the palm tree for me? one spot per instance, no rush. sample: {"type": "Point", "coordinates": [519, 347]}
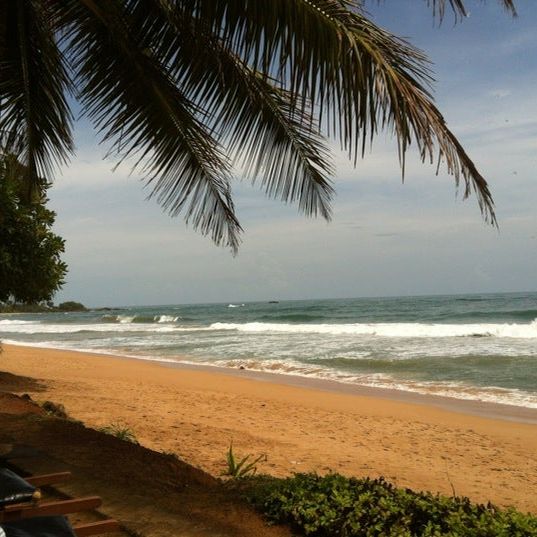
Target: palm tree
{"type": "Point", "coordinates": [190, 89]}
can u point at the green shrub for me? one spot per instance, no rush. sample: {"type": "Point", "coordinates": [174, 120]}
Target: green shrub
{"type": "Point", "coordinates": [244, 467]}
{"type": "Point", "coordinates": [171, 455]}
{"type": "Point", "coordinates": [120, 431]}
{"type": "Point", "coordinates": [335, 505]}
{"type": "Point", "coordinates": [55, 409]}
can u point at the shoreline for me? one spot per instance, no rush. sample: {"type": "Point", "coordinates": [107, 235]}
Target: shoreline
{"type": "Point", "coordinates": [484, 409]}
{"type": "Point", "coordinates": [197, 412]}
{"type": "Point", "coordinates": [467, 406]}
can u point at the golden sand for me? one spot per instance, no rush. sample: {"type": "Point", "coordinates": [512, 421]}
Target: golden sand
{"type": "Point", "coordinates": [197, 414]}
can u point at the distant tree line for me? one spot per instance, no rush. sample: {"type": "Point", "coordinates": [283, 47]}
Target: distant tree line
{"type": "Point", "coordinates": [42, 307]}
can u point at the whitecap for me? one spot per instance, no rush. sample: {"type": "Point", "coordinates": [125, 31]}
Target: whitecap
{"type": "Point", "coordinates": [395, 330]}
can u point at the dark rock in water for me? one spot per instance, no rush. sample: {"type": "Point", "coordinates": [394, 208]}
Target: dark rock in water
{"type": "Point", "coordinates": [241, 367]}
{"type": "Point", "coordinates": [273, 301]}
{"type": "Point", "coordinates": [71, 306]}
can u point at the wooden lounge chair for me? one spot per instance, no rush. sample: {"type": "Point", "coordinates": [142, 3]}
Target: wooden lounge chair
{"type": "Point", "coordinates": [23, 513]}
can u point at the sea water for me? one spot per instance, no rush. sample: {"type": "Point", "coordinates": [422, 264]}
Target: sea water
{"type": "Point", "coordinates": [481, 347]}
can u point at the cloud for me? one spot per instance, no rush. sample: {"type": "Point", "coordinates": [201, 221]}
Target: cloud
{"type": "Point", "coordinates": [521, 42]}
{"type": "Point", "coordinates": [89, 170]}
{"type": "Point", "coordinates": [499, 93]}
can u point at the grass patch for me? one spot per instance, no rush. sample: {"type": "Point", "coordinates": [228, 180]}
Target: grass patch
{"type": "Point", "coordinates": [55, 409]}
{"type": "Point", "coordinates": [120, 431]}
{"type": "Point", "coordinates": [239, 468]}
{"type": "Point", "coordinates": [334, 505]}
{"type": "Point", "coordinates": [171, 454]}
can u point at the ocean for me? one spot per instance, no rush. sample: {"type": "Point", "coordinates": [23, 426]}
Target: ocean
{"type": "Point", "coordinates": [481, 347]}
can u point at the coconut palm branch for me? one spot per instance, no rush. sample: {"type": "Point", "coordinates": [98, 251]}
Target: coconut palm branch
{"type": "Point", "coordinates": [191, 90]}
{"type": "Point", "coordinates": [359, 76]}
{"type": "Point", "coordinates": [35, 120]}
{"type": "Point", "coordinates": [458, 7]}
{"type": "Point", "coordinates": [257, 121]}
{"type": "Point", "coordinates": [134, 102]}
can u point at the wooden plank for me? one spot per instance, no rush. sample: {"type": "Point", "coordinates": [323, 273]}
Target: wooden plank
{"type": "Point", "coordinates": [95, 528]}
{"type": "Point", "coordinates": [47, 479]}
{"type": "Point", "coordinates": [17, 512]}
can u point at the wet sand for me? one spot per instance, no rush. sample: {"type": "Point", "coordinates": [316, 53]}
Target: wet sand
{"type": "Point", "coordinates": [482, 450]}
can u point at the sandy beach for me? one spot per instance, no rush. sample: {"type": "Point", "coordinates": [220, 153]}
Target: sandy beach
{"type": "Point", "coordinates": [482, 451]}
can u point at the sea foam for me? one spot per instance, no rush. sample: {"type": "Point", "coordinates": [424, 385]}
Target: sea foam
{"type": "Point", "coordinates": [396, 330]}
{"type": "Point", "coordinates": [10, 322]}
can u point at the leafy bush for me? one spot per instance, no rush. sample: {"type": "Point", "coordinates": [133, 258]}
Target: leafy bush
{"type": "Point", "coordinates": [335, 505]}
{"type": "Point", "coordinates": [55, 409]}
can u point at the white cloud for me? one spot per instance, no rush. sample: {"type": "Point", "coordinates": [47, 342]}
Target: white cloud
{"type": "Point", "coordinates": [499, 93]}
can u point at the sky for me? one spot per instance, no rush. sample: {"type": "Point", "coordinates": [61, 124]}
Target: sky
{"type": "Point", "coordinates": [386, 238]}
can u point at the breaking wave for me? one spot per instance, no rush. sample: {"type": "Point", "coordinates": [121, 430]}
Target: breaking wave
{"type": "Point", "coordinates": [127, 319]}
{"type": "Point", "coordinates": [396, 330]}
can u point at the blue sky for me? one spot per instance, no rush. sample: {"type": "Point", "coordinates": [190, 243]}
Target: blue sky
{"type": "Point", "coordinates": [386, 238]}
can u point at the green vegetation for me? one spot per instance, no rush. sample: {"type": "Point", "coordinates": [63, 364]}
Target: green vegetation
{"type": "Point", "coordinates": [31, 270]}
{"type": "Point", "coordinates": [41, 308]}
{"type": "Point", "coordinates": [244, 467]}
{"type": "Point", "coordinates": [23, 308]}
{"type": "Point", "coordinates": [55, 409]}
{"type": "Point", "coordinates": [120, 431]}
{"type": "Point", "coordinates": [334, 505]}
{"type": "Point", "coordinates": [171, 454]}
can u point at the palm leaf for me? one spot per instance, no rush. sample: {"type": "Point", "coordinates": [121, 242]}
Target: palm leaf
{"type": "Point", "coordinates": [35, 120]}
{"type": "Point", "coordinates": [458, 7]}
{"type": "Point", "coordinates": [279, 144]}
{"type": "Point", "coordinates": [360, 78]}
{"type": "Point", "coordinates": [276, 141]}
{"type": "Point", "coordinates": [188, 87]}
{"type": "Point", "coordinates": [133, 101]}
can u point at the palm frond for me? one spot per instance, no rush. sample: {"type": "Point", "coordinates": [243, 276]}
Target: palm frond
{"type": "Point", "coordinates": [132, 100]}
{"type": "Point", "coordinates": [458, 7]}
{"type": "Point", "coordinates": [185, 87]}
{"type": "Point", "coordinates": [35, 120]}
{"type": "Point", "coordinates": [280, 146]}
{"type": "Point", "coordinates": [359, 77]}
{"type": "Point", "coordinates": [261, 125]}
{"type": "Point", "coordinates": [405, 105]}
